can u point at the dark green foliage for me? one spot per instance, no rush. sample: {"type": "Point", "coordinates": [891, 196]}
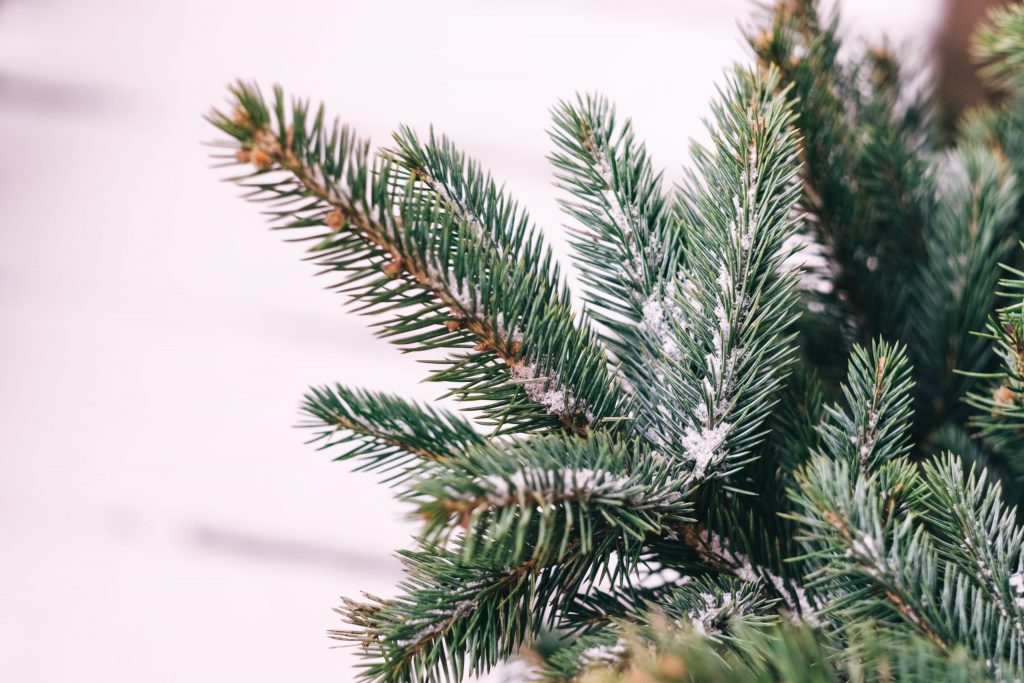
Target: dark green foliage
{"type": "Point", "coordinates": [784, 440]}
{"type": "Point", "coordinates": [999, 405]}
{"type": "Point", "coordinates": [384, 431]}
{"type": "Point", "coordinates": [954, 290]}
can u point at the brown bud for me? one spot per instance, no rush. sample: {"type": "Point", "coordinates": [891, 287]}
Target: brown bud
{"type": "Point", "coordinates": [763, 40]}
{"type": "Point", "coordinates": [514, 347]}
{"type": "Point", "coordinates": [240, 116]}
{"type": "Point", "coordinates": [242, 155]}
{"type": "Point", "coordinates": [260, 159]}
{"type": "Point", "coordinates": [1003, 395]}
{"type": "Point", "coordinates": [392, 268]}
{"type": "Point", "coordinates": [452, 324]}
{"type": "Point", "coordinates": [480, 346]}
{"type": "Point", "coordinates": [333, 219]}
{"type": "Point", "coordinates": [672, 666]}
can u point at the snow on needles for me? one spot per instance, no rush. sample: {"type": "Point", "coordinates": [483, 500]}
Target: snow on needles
{"type": "Point", "coordinates": [564, 482]}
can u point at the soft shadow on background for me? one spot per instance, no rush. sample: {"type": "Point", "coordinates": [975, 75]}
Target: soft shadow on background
{"type": "Point", "coordinates": [159, 517]}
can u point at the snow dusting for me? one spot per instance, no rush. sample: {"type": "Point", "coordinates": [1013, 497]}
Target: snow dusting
{"type": "Point", "coordinates": [565, 482]}
{"type": "Point", "coordinates": [546, 391]}
{"type": "Point", "coordinates": [743, 569]}
{"type": "Point", "coordinates": [710, 615]}
{"type": "Point", "coordinates": [611, 200]}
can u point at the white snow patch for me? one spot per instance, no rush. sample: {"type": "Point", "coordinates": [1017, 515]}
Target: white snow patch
{"type": "Point", "coordinates": [604, 655]}
{"type": "Point", "coordinates": [1016, 582]}
{"type": "Point", "coordinates": [706, 618]}
{"type": "Point", "coordinates": [546, 391]}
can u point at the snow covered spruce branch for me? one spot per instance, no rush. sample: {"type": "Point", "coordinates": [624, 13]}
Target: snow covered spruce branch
{"type": "Point", "coordinates": [720, 470]}
{"type": "Point", "coordinates": [866, 139]}
{"type": "Point", "coordinates": [630, 248]}
{"type": "Point", "coordinates": [730, 310]}
{"type": "Point", "coordinates": [546, 497]}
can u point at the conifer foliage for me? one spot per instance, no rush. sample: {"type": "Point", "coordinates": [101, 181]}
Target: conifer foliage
{"type": "Point", "coordinates": [784, 437]}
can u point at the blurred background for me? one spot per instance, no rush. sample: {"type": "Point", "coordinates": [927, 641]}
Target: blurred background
{"type": "Point", "coordinates": [160, 519]}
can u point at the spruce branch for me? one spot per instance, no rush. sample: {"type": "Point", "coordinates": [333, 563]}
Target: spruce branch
{"type": "Point", "coordinates": [865, 514]}
{"type": "Point", "coordinates": [875, 425]}
{"type": "Point", "coordinates": [974, 529]}
{"type": "Point", "coordinates": [664, 484]}
{"type": "Point", "coordinates": [557, 362]}
{"type": "Point", "coordinates": [788, 652]}
{"type": "Point", "coordinates": [385, 432]}
{"type": "Point", "coordinates": [865, 147]}
{"type": "Point", "coordinates": [715, 608]}
{"type": "Point", "coordinates": [441, 281]}
{"type": "Point", "coordinates": [999, 412]}
{"type": "Point", "coordinates": [456, 618]}
{"type": "Point", "coordinates": [954, 293]}
{"type": "Point", "coordinates": [738, 295]}
{"type": "Point", "coordinates": [999, 45]}
{"type": "Point", "coordinates": [452, 619]}
{"type": "Point", "coordinates": [748, 507]}
{"type": "Point", "coordinates": [543, 498]}
{"type": "Point", "coordinates": [879, 562]}
{"type": "Point", "coordinates": [630, 248]}
{"type": "Point", "coordinates": [875, 561]}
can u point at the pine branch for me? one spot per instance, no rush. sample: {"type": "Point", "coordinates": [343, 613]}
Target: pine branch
{"type": "Point", "coordinates": [386, 432]}
{"type": "Point", "coordinates": [442, 282]}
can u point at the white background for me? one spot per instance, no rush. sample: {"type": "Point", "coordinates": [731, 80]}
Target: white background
{"type": "Point", "coordinates": [160, 520]}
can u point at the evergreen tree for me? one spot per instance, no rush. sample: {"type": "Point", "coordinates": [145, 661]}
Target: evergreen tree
{"type": "Point", "coordinates": [784, 440]}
